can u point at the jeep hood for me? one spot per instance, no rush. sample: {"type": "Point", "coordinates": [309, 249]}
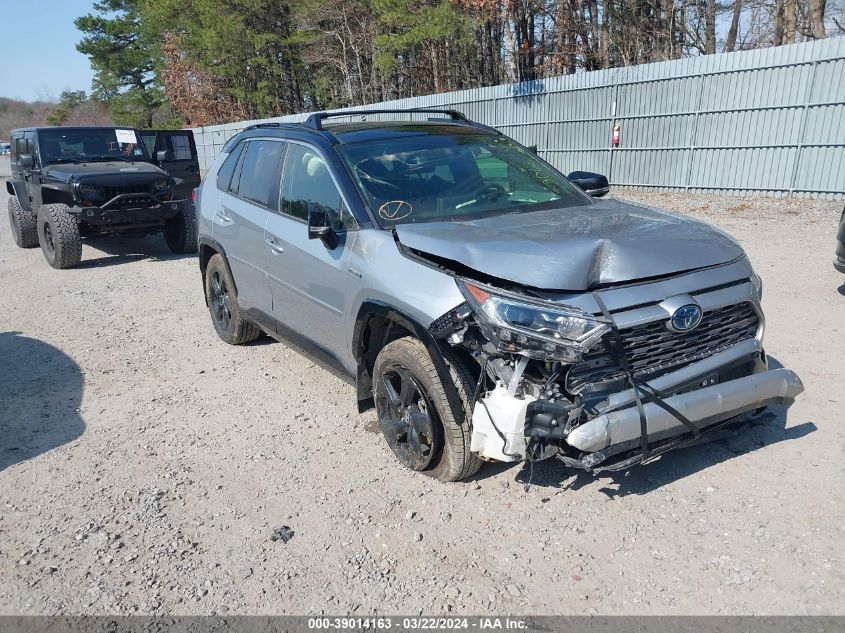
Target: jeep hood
{"type": "Point", "coordinates": [70, 172]}
{"type": "Point", "coordinates": [575, 248]}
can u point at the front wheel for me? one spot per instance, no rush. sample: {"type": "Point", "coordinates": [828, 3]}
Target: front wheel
{"type": "Point", "coordinates": [180, 232]}
{"type": "Point", "coordinates": [23, 224]}
{"type": "Point", "coordinates": [222, 300]}
{"type": "Point", "coordinates": [423, 418]}
{"type": "Point", "coordinates": [58, 234]}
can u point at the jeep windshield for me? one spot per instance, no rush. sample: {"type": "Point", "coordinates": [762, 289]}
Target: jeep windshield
{"type": "Point", "coordinates": [89, 145]}
{"type": "Point", "coordinates": [453, 177]}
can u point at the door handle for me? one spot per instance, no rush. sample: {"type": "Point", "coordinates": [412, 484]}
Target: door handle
{"type": "Point", "coordinates": [222, 216]}
{"type": "Point", "coordinates": [274, 246]}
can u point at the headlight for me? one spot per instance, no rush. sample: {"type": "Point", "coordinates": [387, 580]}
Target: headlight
{"type": "Point", "coordinates": [757, 282]}
{"type": "Point", "coordinates": [538, 329]}
{"type": "Point", "coordinates": [160, 185]}
{"type": "Point", "coordinates": [87, 190]}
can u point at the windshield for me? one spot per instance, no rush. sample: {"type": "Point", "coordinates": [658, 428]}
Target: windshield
{"type": "Point", "coordinates": [89, 145]}
{"type": "Point", "coordinates": [441, 177]}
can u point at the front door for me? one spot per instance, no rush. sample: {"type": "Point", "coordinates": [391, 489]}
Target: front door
{"type": "Point", "coordinates": [181, 157]}
{"type": "Point", "coordinates": [307, 279]}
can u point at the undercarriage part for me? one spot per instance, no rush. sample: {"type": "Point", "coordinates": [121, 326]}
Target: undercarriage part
{"type": "Point", "coordinates": [708, 405]}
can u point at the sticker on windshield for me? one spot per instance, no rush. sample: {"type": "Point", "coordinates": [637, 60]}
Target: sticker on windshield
{"type": "Point", "coordinates": [394, 210]}
{"type": "Point", "coordinates": [126, 136]}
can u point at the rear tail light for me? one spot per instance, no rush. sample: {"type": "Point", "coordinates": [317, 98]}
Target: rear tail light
{"type": "Point", "coordinates": [194, 194]}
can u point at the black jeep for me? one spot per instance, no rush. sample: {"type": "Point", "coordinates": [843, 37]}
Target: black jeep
{"type": "Point", "coordinates": [73, 182]}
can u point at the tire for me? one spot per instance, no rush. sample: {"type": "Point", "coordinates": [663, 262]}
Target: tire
{"type": "Point", "coordinates": [58, 234]}
{"type": "Point", "coordinates": [24, 224]}
{"type": "Point", "coordinates": [180, 232]}
{"type": "Point", "coordinates": [223, 306]}
{"type": "Point", "coordinates": [446, 429]}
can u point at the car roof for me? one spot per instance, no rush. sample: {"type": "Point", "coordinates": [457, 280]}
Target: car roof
{"type": "Point", "coordinates": [340, 133]}
{"type": "Point", "coordinates": [43, 128]}
{"type": "Point", "coordinates": [373, 130]}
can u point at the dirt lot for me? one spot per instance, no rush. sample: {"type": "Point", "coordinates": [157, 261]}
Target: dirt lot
{"type": "Point", "coordinates": [144, 465]}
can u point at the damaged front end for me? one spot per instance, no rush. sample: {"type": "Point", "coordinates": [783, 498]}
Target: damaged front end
{"type": "Point", "coordinates": [602, 389]}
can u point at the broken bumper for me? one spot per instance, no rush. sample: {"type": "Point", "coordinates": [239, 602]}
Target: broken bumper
{"type": "Point", "coordinates": [621, 429]}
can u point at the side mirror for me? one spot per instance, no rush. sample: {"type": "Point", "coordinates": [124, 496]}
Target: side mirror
{"type": "Point", "coordinates": [319, 227]}
{"type": "Point", "coordinates": [532, 149]}
{"type": "Point", "coordinates": [164, 155]}
{"type": "Point", "coordinates": [26, 161]}
{"type": "Point", "coordinates": [594, 185]}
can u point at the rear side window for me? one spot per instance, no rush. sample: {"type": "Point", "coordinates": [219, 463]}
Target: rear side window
{"type": "Point", "coordinates": [260, 172]}
{"type": "Point", "coordinates": [224, 175]}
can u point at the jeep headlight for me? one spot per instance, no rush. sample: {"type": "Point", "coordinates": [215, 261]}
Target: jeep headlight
{"type": "Point", "coordinates": [539, 329]}
{"type": "Point", "coordinates": [86, 189]}
{"type": "Point", "coordinates": [160, 185]}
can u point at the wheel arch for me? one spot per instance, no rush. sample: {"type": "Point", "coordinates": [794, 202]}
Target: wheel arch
{"type": "Point", "coordinates": [56, 195]}
{"type": "Point", "coordinates": [18, 190]}
{"type": "Point", "coordinates": [208, 248]}
{"type": "Point", "coordinates": [376, 325]}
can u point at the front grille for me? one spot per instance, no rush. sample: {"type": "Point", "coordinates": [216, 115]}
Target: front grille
{"type": "Point", "coordinates": [653, 350]}
{"type": "Point", "coordinates": [111, 192]}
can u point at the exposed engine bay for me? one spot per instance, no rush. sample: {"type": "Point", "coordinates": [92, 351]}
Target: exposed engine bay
{"type": "Point", "coordinates": [556, 381]}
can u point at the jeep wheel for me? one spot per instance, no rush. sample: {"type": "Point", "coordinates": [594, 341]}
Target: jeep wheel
{"type": "Point", "coordinates": [424, 420]}
{"type": "Point", "coordinates": [180, 232]}
{"type": "Point", "coordinates": [223, 304]}
{"type": "Point", "coordinates": [23, 224]}
{"type": "Point", "coordinates": [58, 234]}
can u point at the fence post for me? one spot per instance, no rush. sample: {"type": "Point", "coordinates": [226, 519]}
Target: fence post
{"type": "Point", "coordinates": [694, 133]}
{"type": "Point", "coordinates": [802, 127]}
{"type": "Point", "coordinates": [614, 108]}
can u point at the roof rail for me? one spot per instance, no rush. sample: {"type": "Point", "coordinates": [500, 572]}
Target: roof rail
{"type": "Point", "coordinates": [315, 120]}
{"type": "Point", "coordinates": [258, 125]}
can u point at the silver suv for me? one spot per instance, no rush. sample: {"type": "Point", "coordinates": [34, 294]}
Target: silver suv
{"type": "Point", "coordinates": [483, 303]}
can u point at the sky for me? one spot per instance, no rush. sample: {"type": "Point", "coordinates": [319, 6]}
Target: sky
{"type": "Point", "coordinates": [38, 56]}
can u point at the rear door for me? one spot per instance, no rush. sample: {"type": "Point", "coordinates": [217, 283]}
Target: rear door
{"type": "Point", "coordinates": [181, 161]}
{"type": "Point", "coordinates": [241, 215]}
{"type": "Point", "coordinates": [307, 279]}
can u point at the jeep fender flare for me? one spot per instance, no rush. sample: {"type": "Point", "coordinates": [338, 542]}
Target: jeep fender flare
{"type": "Point", "coordinates": [16, 189]}
{"type": "Point", "coordinates": [54, 193]}
{"type": "Point", "coordinates": [365, 350]}
{"type": "Point", "coordinates": [205, 242]}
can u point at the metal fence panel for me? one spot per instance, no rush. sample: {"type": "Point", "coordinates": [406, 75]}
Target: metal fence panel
{"type": "Point", "coordinates": [768, 121]}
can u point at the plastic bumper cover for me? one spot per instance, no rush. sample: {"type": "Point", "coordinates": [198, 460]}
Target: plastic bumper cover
{"type": "Point", "coordinates": [705, 407]}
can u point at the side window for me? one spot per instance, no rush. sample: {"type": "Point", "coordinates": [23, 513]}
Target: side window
{"type": "Point", "coordinates": [307, 179]}
{"type": "Point", "coordinates": [181, 147]}
{"type": "Point", "coordinates": [20, 146]}
{"type": "Point", "coordinates": [227, 170]}
{"type": "Point", "coordinates": [179, 144]}
{"type": "Point", "coordinates": [260, 172]}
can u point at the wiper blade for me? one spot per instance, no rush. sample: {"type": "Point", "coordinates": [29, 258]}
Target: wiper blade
{"type": "Point", "coordinates": [62, 159]}
{"type": "Point", "coordinates": [109, 158]}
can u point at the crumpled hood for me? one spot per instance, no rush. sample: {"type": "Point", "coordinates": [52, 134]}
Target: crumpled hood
{"type": "Point", "coordinates": [576, 248]}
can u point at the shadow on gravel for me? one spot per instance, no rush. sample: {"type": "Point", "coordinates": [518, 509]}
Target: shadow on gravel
{"type": "Point", "coordinates": [122, 250]}
{"type": "Point", "coordinates": [39, 400]}
{"type": "Point", "coordinates": [762, 431]}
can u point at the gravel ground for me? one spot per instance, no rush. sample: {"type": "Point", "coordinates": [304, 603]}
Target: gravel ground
{"type": "Point", "coordinates": [145, 466]}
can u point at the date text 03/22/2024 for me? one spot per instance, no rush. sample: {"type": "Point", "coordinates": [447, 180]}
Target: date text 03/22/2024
{"type": "Point", "coordinates": [418, 623]}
